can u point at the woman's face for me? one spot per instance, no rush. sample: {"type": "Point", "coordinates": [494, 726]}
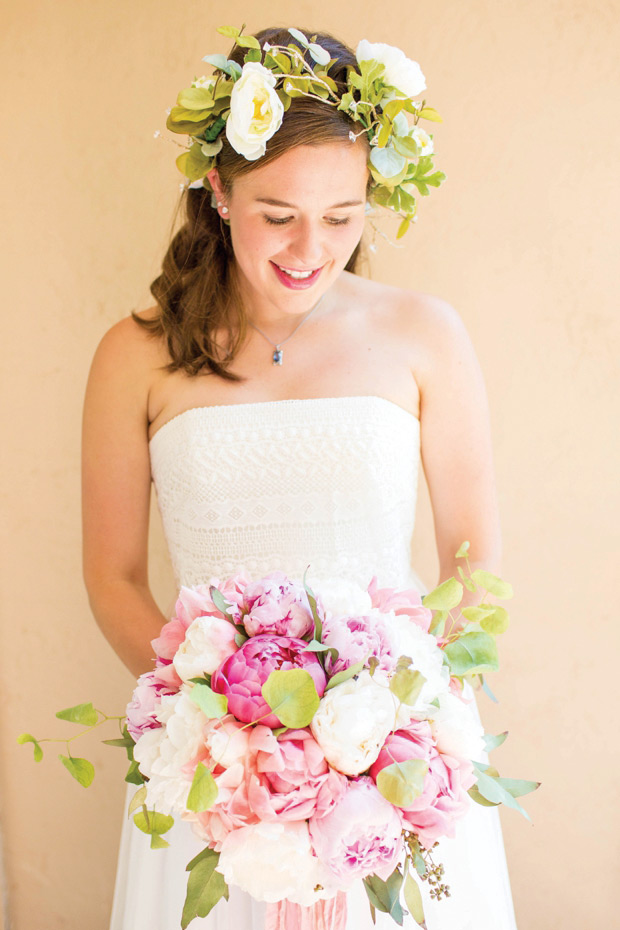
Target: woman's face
{"type": "Point", "coordinates": [294, 224]}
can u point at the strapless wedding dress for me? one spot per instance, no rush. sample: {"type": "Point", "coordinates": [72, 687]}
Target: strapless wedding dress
{"type": "Point", "coordinates": [329, 483]}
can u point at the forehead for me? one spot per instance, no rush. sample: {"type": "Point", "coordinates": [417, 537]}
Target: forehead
{"type": "Point", "coordinates": [309, 173]}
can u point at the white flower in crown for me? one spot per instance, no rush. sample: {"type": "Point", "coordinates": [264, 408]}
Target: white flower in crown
{"type": "Point", "coordinates": [255, 111]}
{"type": "Point", "coordinates": [423, 140]}
{"type": "Point", "coordinates": [204, 82]}
{"type": "Point", "coordinates": [400, 72]}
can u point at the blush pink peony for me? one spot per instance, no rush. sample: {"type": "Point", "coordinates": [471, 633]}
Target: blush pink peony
{"type": "Point", "coordinates": [278, 606]}
{"type": "Point", "coordinates": [145, 703]}
{"type": "Point", "coordinates": [356, 639]}
{"type": "Point", "coordinates": [408, 603]}
{"type": "Point", "coordinates": [360, 836]}
{"type": "Point", "coordinates": [243, 674]}
{"type": "Point", "coordinates": [444, 799]}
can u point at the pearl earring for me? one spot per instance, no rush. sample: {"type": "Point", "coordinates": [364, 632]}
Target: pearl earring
{"type": "Point", "coordinates": [224, 209]}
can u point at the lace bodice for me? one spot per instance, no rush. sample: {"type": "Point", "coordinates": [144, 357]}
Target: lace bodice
{"type": "Point", "coordinates": [328, 482]}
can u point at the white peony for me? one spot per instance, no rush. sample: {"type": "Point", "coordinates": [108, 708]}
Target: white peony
{"type": "Point", "coordinates": [400, 72]}
{"type": "Point", "coordinates": [273, 861]}
{"type": "Point", "coordinates": [407, 639]}
{"type": "Point", "coordinates": [353, 720]}
{"type": "Point", "coordinates": [457, 729]}
{"type": "Point", "coordinates": [208, 641]}
{"type": "Point", "coordinates": [255, 111]}
{"type": "Point", "coordinates": [343, 598]}
{"type": "Point", "coordinates": [161, 754]}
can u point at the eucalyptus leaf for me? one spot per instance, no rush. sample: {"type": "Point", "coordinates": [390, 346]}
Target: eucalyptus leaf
{"type": "Point", "coordinates": [387, 161]}
{"type": "Point", "coordinates": [81, 769]}
{"type": "Point", "coordinates": [81, 713]}
{"type": "Point", "coordinates": [445, 596]}
{"type": "Point", "coordinates": [496, 621]}
{"type": "Point", "coordinates": [125, 743]}
{"type": "Point", "coordinates": [402, 782]}
{"type": "Point", "coordinates": [344, 675]}
{"type": "Point", "coordinates": [195, 98]}
{"type": "Point", "coordinates": [420, 864]}
{"type": "Point", "coordinates": [462, 550]}
{"type": "Point", "coordinates": [406, 684]}
{"type": "Point", "coordinates": [494, 789]}
{"type": "Point", "coordinates": [438, 622]}
{"type": "Point", "coordinates": [153, 822]}
{"type": "Point", "coordinates": [466, 580]}
{"type": "Point", "coordinates": [212, 704]}
{"type": "Point", "coordinates": [299, 36]}
{"type": "Point", "coordinates": [480, 799]}
{"type": "Point", "coordinates": [487, 690]}
{"type": "Point", "coordinates": [292, 696]}
{"type": "Point", "coordinates": [430, 113]}
{"type": "Point", "coordinates": [492, 583]}
{"type": "Point", "coordinates": [28, 738]}
{"type": "Point", "coordinates": [492, 742]}
{"type": "Point", "coordinates": [385, 895]}
{"type": "Point", "coordinates": [138, 800]}
{"type": "Point", "coordinates": [134, 775]}
{"type": "Point", "coordinates": [318, 625]}
{"type": "Point", "coordinates": [402, 229]}
{"type": "Point", "coordinates": [158, 842]}
{"type": "Point", "coordinates": [203, 792]}
{"type": "Point", "coordinates": [220, 601]}
{"type": "Point", "coordinates": [472, 653]}
{"type": "Point", "coordinates": [205, 887]}
{"type": "Point", "coordinates": [219, 62]}
{"type": "Point", "coordinates": [413, 899]}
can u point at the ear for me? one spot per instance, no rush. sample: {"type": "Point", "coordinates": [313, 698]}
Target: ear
{"type": "Point", "coordinates": [216, 184]}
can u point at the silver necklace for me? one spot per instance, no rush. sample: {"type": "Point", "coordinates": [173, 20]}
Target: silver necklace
{"type": "Point", "coordinates": [277, 346]}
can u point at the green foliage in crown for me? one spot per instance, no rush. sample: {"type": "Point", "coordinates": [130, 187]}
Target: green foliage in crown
{"type": "Point", "coordinates": [247, 103]}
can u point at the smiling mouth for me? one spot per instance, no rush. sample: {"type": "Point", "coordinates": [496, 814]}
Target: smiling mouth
{"type": "Point", "coordinates": [298, 275]}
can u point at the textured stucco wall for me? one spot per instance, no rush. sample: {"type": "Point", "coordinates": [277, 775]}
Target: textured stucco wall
{"type": "Point", "coordinates": [521, 240]}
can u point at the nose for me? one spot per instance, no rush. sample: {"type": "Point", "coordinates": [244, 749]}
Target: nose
{"type": "Point", "coordinates": [307, 245]}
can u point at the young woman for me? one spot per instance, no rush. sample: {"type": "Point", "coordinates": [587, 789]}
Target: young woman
{"type": "Point", "coordinates": [280, 403]}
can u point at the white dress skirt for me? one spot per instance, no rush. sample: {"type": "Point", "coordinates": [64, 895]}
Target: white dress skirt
{"type": "Point", "coordinates": [329, 483]}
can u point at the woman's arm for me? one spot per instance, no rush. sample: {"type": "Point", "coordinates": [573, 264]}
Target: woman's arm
{"type": "Point", "coordinates": [456, 445]}
{"type": "Point", "coordinates": [116, 494]}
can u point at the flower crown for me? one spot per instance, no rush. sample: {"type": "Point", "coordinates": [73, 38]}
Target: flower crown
{"type": "Point", "coordinates": [248, 102]}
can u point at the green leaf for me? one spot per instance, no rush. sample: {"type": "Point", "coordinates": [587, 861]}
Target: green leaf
{"type": "Point", "coordinates": [203, 793]}
{"type": "Point", "coordinates": [430, 113]}
{"type": "Point", "coordinates": [413, 899]}
{"type": "Point", "coordinates": [402, 782]}
{"type": "Point", "coordinates": [487, 690]}
{"type": "Point", "coordinates": [471, 653]}
{"type": "Point", "coordinates": [81, 713]}
{"type": "Point", "coordinates": [344, 675]}
{"type": "Point", "coordinates": [445, 596]}
{"type": "Point", "coordinates": [134, 775]}
{"type": "Point", "coordinates": [318, 625]}
{"type": "Point", "coordinates": [491, 583]}
{"type": "Point", "coordinates": [219, 61]}
{"type": "Point", "coordinates": [81, 769]}
{"type": "Point", "coordinates": [231, 32]}
{"type": "Point", "coordinates": [406, 684]}
{"type": "Point", "coordinates": [158, 842]}
{"type": "Point", "coordinates": [517, 787]}
{"type": "Point", "coordinates": [28, 738]}
{"type": "Point", "coordinates": [153, 822]}
{"type": "Point", "coordinates": [138, 800]}
{"type": "Point", "coordinates": [248, 42]}
{"type": "Point", "coordinates": [194, 164]}
{"type": "Point", "coordinates": [438, 622]}
{"type": "Point", "coordinates": [219, 600]}
{"type": "Point", "coordinates": [466, 580]}
{"type": "Point", "coordinates": [195, 98]}
{"type": "Point", "coordinates": [205, 887]}
{"type": "Point", "coordinates": [212, 704]}
{"type": "Point", "coordinates": [402, 229]}
{"type": "Point", "coordinates": [497, 789]}
{"type": "Point", "coordinates": [492, 742]}
{"type": "Point", "coordinates": [125, 743]}
{"type": "Point", "coordinates": [462, 551]}
{"type": "Point", "coordinates": [420, 864]}
{"type": "Point", "coordinates": [496, 620]}
{"type": "Point", "coordinates": [479, 799]}
{"type": "Point", "coordinates": [292, 696]}
{"type": "Point", "coordinates": [299, 37]}
{"type": "Point", "coordinates": [385, 895]}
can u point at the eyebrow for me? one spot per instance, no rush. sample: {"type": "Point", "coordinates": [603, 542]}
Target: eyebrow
{"type": "Point", "coordinates": [282, 203]}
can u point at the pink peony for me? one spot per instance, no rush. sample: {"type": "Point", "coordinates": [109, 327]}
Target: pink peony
{"type": "Point", "coordinates": [196, 602]}
{"type": "Point", "coordinates": [361, 836]}
{"type": "Point", "coordinates": [243, 674]}
{"type": "Point", "coordinates": [145, 703]}
{"type": "Point", "coordinates": [292, 780]}
{"type": "Point", "coordinates": [357, 638]}
{"type": "Point", "coordinates": [278, 606]}
{"type": "Point", "coordinates": [444, 799]}
{"type": "Point", "coordinates": [407, 602]}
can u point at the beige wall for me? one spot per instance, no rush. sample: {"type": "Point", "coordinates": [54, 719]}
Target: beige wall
{"type": "Point", "coordinates": [521, 240]}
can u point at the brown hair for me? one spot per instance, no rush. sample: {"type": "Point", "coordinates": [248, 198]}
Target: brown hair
{"type": "Point", "coordinates": [197, 292]}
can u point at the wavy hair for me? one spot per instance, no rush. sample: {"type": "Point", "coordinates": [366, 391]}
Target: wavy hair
{"type": "Point", "coordinates": [197, 293]}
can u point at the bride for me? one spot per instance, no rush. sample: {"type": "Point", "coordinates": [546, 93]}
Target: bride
{"type": "Point", "coordinates": [280, 403]}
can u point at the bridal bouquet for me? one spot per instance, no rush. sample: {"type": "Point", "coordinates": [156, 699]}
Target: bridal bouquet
{"type": "Point", "coordinates": [313, 737]}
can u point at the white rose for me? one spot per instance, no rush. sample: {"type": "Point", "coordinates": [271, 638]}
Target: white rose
{"type": "Point", "coordinates": [255, 111]}
{"type": "Point", "coordinates": [423, 140]}
{"type": "Point", "coordinates": [457, 730]}
{"type": "Point", "coordinates": [400, 72]}
{"type": "Point", "coordinates": [407, 639]}
{"type": "Point", "coordinates": [161, 754]}
{"type": "Point", "coordinates": [343, 598]}
{"type": "Point", "coordinates": [353, 720]}
{"type": "Point", "coordinates": [208, 641]}
{"type": "Point", "coordinates": [273, 861]}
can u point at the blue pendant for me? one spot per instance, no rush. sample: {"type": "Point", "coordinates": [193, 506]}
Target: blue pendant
{"type": "Point", "coordinates": [277, 356]}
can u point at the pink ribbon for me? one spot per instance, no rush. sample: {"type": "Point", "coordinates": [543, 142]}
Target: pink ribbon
{"type": "Point", "coordinates": [327, 914]}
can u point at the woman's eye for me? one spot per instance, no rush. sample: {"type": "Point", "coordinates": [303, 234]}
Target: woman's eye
{"type": "Point", "coordinates": [334, 221]}
{"type": "Point", "coordinates": [277, 221]}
